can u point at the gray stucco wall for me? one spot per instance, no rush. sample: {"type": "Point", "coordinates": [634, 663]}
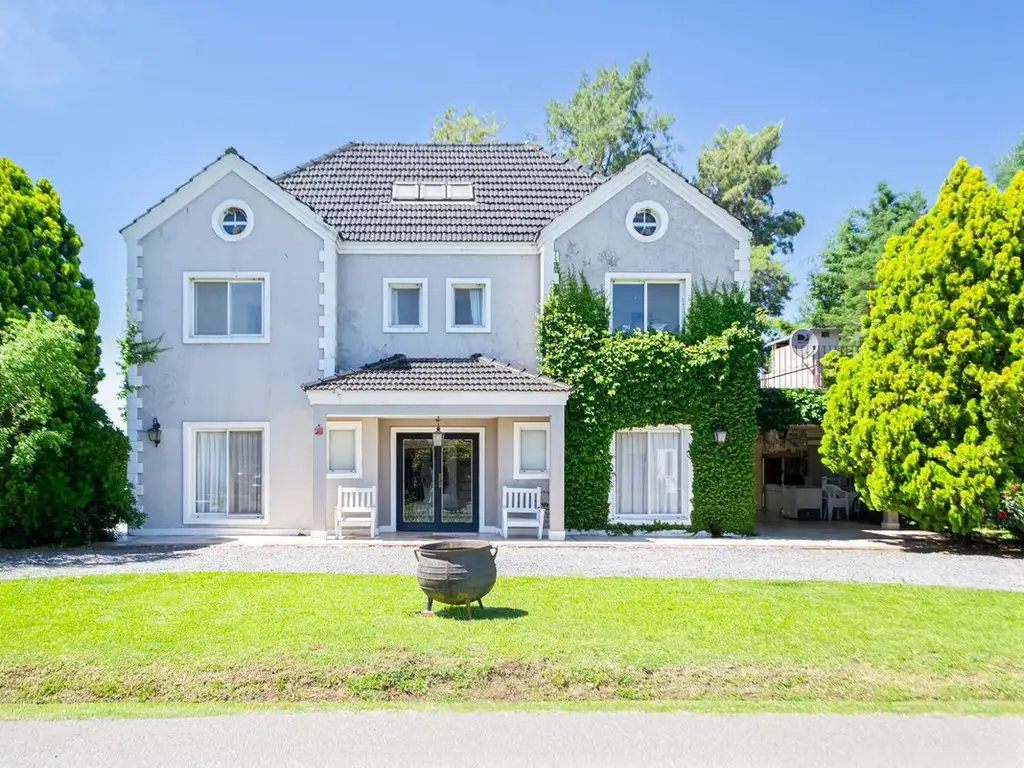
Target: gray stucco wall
{"type": "Point", "coordinates": [232, 382]}
{"type": "Point", "coordinates": [692, 243]}
{"type": "Point", "coordinates": [515, 297]}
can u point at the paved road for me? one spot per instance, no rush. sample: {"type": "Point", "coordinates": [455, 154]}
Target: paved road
{"type": "Point", "coordinates": [567, 740]}
{"type": "Point", "coordinates": [987, 571]}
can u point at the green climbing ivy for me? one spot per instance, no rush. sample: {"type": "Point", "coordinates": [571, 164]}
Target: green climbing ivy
{"type": "Point", "coordinates": [780, 408]}
{"type": "Point", "coordinates": [705, 376]}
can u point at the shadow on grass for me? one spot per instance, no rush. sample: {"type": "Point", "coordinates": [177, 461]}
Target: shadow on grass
{"type": "Point", "coordinates": [481, 614]}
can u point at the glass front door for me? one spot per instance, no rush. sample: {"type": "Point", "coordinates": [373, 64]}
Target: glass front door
{"type": "Point", "coordinates": [437, 487]}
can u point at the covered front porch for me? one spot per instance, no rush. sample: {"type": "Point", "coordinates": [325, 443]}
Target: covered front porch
{"type": "Point", "coordinates": [432, 445]}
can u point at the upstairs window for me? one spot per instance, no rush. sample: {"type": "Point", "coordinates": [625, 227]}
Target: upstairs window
{"type": "Point", "coordinates": [648, 302]}
{"type": "Point", "coordinates": [647, 221]}
{"type": "Point", "coordinates": [226, 307]}
{"type": "Point", "coordinates": [432, 191]}
{"type": "Point", "coordinates": [405, 305]}
{"type": "Point", "coordinates": [469, 305]}
{"type": "Point", "coordinates": [232, 220]}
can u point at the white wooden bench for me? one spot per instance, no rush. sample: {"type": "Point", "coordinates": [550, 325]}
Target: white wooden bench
{"type": "Point", "coordinates": [520, 508]}
{"type": "Point", "coordinates": [357, 508]}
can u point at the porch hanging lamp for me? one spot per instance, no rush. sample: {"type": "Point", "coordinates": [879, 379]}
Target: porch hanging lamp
{"type": "Point", "coordinates": [719, 434]}
{"type": "Point", "coordinates": [154, 432]}
{"type": "Point", "coordinates": [438, 436]}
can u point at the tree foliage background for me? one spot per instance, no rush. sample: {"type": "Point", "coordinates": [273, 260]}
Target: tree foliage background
{"type": "Point", "coordinates": [467, 128]}
{"type": "Point", "coordinates": [926, 417]}
{"type": "Point", "coordinates": [1009, 165]}
{"type": "Point", "coordinates": [838, 293]}
{"type": "Point", "coordinates": [63, 465]}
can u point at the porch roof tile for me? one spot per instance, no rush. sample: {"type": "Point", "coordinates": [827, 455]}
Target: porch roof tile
{"type": "Point", "coordinates": [437, 374]}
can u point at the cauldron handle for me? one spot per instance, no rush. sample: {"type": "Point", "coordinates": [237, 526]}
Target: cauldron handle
{"type": "Point", "coordinates": [417, 553]}
{"type": "Point", "coordinates": [494, 552]}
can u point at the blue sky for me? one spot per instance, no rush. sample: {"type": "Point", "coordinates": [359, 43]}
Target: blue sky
{"type": "Point", "coordinates": [117, 102]}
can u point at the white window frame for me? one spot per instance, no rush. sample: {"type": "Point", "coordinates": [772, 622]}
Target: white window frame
{"type": "Point", "coordinates": [346, 426]}
{"type": "Point", "coordinates": [686, 481]}
{"type": "Point", "coordinates": [189, 430]}
{"type": "Point", "coordinates": [517, 471]}
{"type": "Point", "coordinates": [646, 278]}
{"type": "Point", "coordinates": [467, 282]}
{"type": "Point", "coordinates": [405, 282]}
{"type": "Point", "coordinates": [218, 214]}
{"type": "Point", "coordinates": [188, 307]}
{"type": "Point", "coordinates": [660, 218]}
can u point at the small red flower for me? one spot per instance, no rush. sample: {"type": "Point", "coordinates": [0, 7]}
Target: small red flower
{"type": "Point", "coordinates": [1015, 487]}
{"type": "Point", "coordinates": [1002, 515]}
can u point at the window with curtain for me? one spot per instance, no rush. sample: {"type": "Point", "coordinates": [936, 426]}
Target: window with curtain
{"type": "Point", "coordinates": [405, 305]}
{"type": "Point", "coordinates": [343, 449]}
{"type": "Point", "coordinates": [227, 308]}
{"type": "Point", "coordinates": [531, 450]}
{"type": "Point", "coordinates": [228, 469]}
{"type": "Point", "coordinates": [651, 473]}
{"type": "Point", "coordinates": [647, 305]}
{"type": "Point", "coordinates": [468, 308]}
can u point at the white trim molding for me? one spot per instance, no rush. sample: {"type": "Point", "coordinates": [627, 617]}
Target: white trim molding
{"type": "Point", "coordinates": [518, 428]}
{"type": "Point", "coordinates": [356, 427]}
{"type": "Point", "coordinates": [189, 280]}
{"type": "Point", "coordinates": [645, 164]}
{"type": "Point", "coordinates": [405, 282]}
{"type": "Point", "coordinates": [228, 163]}
{"type": "Point", "coordinates": [134, 400]}
{"type": "Point", "coordinates": [482, 465]}
{"type": "Point", "coordinates": [189, 516]}
{"type": "Point", "coordinates": [483, 283]}
{"type": "Point", "coordinates": [482, 248]}
{"type": "Point", "coordinates": [217, 220]}
{"type": "Point", "coordinates": [328, 299]}
{"type": "Point", "coordinates": [396, 399]}
{"type": "Point", "coordinates": [657, 210]}
{"type": "Point", "coordinates": [683, 279]}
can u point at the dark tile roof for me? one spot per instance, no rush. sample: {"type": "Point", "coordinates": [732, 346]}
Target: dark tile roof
{"type": "Point", "coordinates": [518, 188]}
{"type": "Point", "coordinates": [438, 374]}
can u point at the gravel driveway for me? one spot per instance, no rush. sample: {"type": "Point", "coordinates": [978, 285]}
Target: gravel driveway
{"type": "Point", "coordinates": [988, 571]}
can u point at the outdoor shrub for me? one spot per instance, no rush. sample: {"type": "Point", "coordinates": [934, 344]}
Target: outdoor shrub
{"type": "Point", "coordinates": [1011, 510]}
{"type": "Point", "coordinates": [781, 408]}
{"type": "Point", "coordinates": [927, 416]}
{"type": "Point", "coordinates": [705, 377]}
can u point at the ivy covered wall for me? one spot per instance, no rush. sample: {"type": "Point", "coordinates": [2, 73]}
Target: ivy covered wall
{"type": "Point", "coordinates": [705, 377]}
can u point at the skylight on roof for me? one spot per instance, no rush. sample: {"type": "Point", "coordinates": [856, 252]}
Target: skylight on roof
{"type": "Point", "coordinates": [432, 191]}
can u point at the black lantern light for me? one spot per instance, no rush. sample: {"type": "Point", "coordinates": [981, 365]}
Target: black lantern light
{"type": "Point", "coordinates": [154, 432]}
{"type": "Point", "coordinates": [719, 434]}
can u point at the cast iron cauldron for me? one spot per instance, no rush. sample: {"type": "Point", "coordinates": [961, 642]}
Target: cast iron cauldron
{"type": "Point", "coordinates": [456, 572]}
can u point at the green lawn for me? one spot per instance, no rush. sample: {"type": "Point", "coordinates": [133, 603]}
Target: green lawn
{"type": "Point", "coordinates": [317, 639]}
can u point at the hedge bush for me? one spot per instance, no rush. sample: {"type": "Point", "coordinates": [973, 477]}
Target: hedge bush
{"type": "Point", "coordinates": [781, 408]}
{"type": "Point", "coordinates": [705, 377]}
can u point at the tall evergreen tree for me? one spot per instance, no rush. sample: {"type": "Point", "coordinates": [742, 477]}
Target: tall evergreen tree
{"type": "Point", "coordinates": [607, 123]}
{"type": "Point", "coordinates": [838, 292]}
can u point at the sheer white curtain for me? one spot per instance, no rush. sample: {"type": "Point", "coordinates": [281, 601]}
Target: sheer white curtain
{"type": "Point", "coordinates": [211, 473]}
{"type": "Point", "coordinates": [476, 306]}
{"type": "Point", "coordinates": [631, 473]}
{"type": "Point", "coordinates": [664, 447]}
{"type": "Point", "coordinates": [246, 470]}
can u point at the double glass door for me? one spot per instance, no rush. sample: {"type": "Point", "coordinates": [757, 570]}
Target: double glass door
{"type": "Point", "coordinates": [437, 486]}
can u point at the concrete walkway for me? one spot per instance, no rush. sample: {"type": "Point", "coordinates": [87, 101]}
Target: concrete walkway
{"type": "Point", "coordinates": [567, 740]}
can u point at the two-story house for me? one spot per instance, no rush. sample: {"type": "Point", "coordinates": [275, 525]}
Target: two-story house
{"type": "Point", "coordinates": [368, 319]}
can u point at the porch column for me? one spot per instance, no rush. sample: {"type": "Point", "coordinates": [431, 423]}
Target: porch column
{"type": "Point", "coordinates": [890, 521]}
{"type": "Point", "coordinates": [318, 433]}
{"type": "Point", "coordinates": [556, 483]}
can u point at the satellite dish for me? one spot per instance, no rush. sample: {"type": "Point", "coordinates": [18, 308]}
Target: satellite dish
{"type": "Point", "coordinates": [803, 342]}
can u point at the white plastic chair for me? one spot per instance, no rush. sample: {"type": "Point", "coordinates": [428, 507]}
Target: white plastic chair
{"type": "Point", "coordinates": [356, 508]}
{"type": "Point", "coordinates": [837, 498]}
{"type": "Point", "coordinates": [520, 508]}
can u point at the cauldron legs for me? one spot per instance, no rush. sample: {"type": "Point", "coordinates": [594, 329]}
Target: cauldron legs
{"type": "Point", "coordinates": [430, 604]}
{"type": "Point", "coordinates": [480, 603]}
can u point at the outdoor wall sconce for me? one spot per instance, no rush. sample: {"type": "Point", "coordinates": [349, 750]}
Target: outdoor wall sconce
{"type": "Point", "coordinates": [438, 436]}
{"type": "Point", "coordinates": [719, 434]}
{"type": "Point", "coordinates": [155, 432]}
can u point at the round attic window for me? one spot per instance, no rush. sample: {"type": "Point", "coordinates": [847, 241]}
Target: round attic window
{"type": "Point", "coordinates": [647, 221]}
{"type": "Point", "coordinates": [232, 220]}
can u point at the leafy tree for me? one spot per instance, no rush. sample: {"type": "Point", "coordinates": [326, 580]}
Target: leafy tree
{"type": "Point", "coordinates": [606, 124]}
{"type": "Point", "coordinates": [63, 466]}
{"type": "Point", "coordinates": [134, 351]}
{"type": "Point", "coordinates": [838, 292]}
{"type": "Point", "coordinates": [39, 266]}
{"type": "Point", "coordinates": [467, 128]}
{"type": "Point", "coordinates": [926, 416]}
{"type": "Point", "coordinates": [1009, 164]}
{"type": "Point", "coordinates": [738, 171]}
